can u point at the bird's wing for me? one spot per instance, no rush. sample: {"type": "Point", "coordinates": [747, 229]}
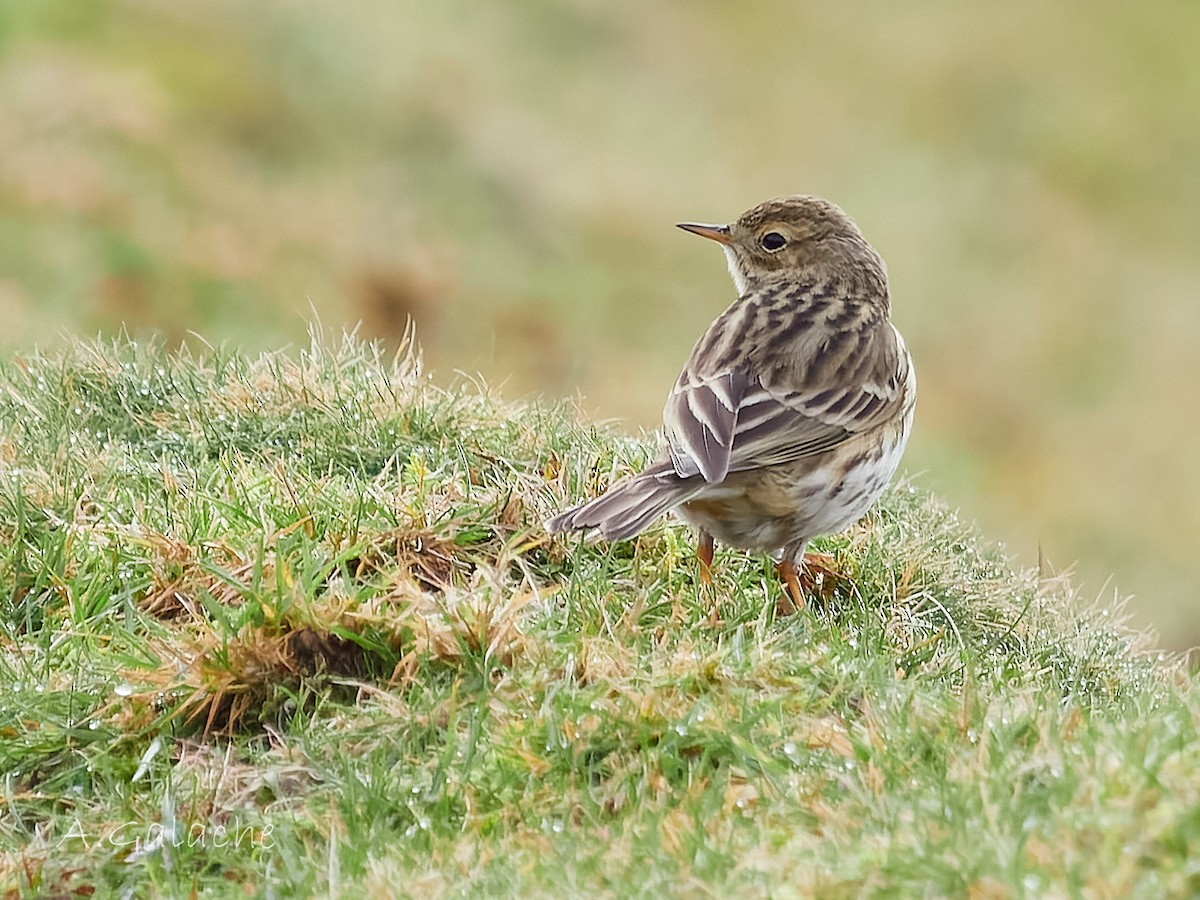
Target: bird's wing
{"type": "Point", "coordinates": [786, 400]}
{"type": "Point", "coordinates": [701, 419]}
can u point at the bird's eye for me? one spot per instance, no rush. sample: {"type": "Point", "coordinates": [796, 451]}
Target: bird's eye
{"type": "Point", "coordinates": [772, 241]}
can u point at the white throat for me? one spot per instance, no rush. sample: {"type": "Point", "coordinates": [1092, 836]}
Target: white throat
{"type": "Point", "coordinates": [735, 271]}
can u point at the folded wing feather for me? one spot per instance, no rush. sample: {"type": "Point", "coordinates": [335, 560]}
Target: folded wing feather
{"type": "Point", "coordinates": [730, 421]}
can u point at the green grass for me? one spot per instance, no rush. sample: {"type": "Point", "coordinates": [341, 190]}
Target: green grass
{"type": "Point", "coordinates": [292, 625]}
{"type": "Point", "coordinates": [508, 175]}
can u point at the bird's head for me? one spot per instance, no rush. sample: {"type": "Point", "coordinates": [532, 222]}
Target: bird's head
{"type": "Point", "coordinates": [789, 237]}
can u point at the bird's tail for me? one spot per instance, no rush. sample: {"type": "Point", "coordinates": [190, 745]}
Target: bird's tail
{"type": "Point", "coordinates": [628, 507]}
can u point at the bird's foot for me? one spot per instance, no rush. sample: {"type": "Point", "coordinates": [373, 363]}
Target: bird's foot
{"type": "Point", "coordinates": [792, 600]}
{"type": "Point", "coordinates": [817, 576]}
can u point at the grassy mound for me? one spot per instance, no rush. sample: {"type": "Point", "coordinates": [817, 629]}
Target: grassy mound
{"type": "Point", "coordinates": [294, 622]}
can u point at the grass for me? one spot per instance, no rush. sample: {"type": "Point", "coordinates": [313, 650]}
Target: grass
{"type": "Point", "coordinates": [291, 625]}
{"type": "Point", "coordinates": [503, 176]}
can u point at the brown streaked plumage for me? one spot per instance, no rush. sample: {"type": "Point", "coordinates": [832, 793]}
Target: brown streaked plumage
{"type": "Point", "coordinates": [790, 416]}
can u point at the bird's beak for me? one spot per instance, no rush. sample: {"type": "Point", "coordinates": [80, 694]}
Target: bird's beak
{"type": "Point", "coordinates": [718, 233]}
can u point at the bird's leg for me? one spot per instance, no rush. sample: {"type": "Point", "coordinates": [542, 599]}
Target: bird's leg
{"type": "Point", "coordinates": [704, 553]}
{"type": "Point", "coordinates": [806, 574]}
{"type": "Point", "coordinates": [793, 600]}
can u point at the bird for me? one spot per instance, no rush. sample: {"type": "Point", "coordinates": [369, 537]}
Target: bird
{"type": "Point", "coordinates": [791, 415]}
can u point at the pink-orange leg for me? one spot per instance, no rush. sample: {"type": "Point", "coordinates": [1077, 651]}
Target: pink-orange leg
{"type": "Point", "coordinates": [793, 600]}
{"type": "Point", "coordinates": [704, 553]}
{"type": "Point", "coordinates": [818, 575]}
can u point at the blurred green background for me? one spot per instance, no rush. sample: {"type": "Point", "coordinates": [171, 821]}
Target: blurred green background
{"type": "Point", "coordinates": [508, 174]}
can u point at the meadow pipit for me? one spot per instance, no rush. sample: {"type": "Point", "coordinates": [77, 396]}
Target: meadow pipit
{"type": "Point", "coordinates": [790, 416]}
